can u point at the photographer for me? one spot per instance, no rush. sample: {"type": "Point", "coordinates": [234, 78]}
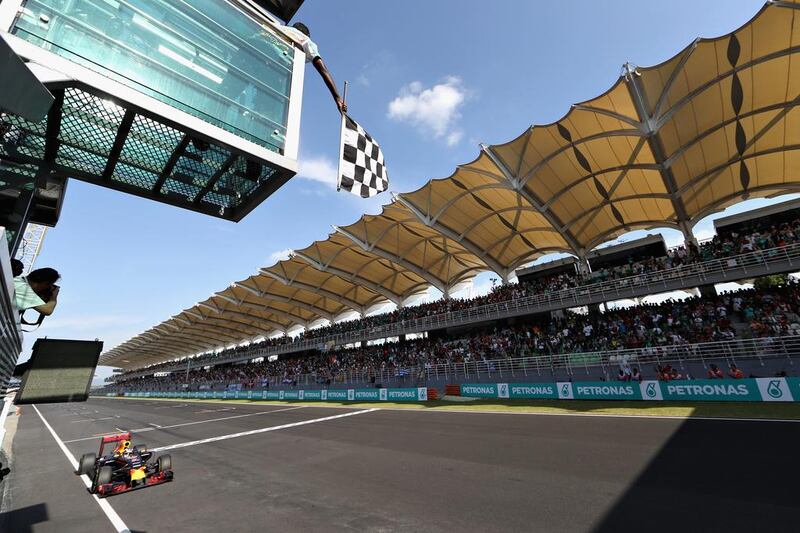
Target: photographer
{"type": "Point", "coordinates": [38, 291]}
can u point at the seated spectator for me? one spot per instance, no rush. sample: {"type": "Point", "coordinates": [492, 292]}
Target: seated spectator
{"type": "Point", "coordinates": [714, 372]}
{"type": "Point", "coordinates": [735, 372]}
{"type": "Point", "coordinates": [670, 328]}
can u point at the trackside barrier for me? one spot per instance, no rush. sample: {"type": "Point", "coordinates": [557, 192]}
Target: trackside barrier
{"type": "Point", "coordinates": [725, 390]}
{"type": "Point", "coordinates": [416, 394]}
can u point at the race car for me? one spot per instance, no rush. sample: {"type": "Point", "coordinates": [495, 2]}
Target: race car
{"type": "Point", "coordinates": [125, 468]}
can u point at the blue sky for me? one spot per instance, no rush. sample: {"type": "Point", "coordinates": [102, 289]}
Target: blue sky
{"type": "Point", "coordinates": [429, 79]}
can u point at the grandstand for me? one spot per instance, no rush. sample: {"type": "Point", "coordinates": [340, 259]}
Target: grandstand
{"type": "Point", "coordinates": [659, 149]}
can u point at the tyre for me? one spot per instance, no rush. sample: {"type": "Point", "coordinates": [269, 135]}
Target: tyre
{"type": "Point", "coordinates": [103, 476]}
{"type": "Point", "coordinates": [164, 463]}
{"type": "Point", "coordinates": [142, 448]}
{"type": "Point", "coordinates": [86, 464]}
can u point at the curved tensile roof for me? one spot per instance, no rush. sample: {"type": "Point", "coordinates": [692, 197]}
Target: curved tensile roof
{"type": "Point", "coordinates": [664, 147]}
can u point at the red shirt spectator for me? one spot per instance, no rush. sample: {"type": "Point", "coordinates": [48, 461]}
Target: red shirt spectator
{"type": "Point", "coordinates": [735, 372]}
{"type": "Point", "coordinates": [714, 372]}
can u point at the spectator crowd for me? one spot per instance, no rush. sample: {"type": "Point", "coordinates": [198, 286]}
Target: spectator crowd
{"type": "Point", "coordinates": [762, 236]}
{"type": "Point", "coordinates": [748, 313]}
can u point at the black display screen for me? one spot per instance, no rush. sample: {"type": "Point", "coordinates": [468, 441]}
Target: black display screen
{"type": "Point", "coordinates": [59, 371]}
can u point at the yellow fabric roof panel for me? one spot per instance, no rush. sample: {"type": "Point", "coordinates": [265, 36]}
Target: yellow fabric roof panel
{"type": "Point", "coordinates": [593, 173]}
{"type": "Point", "coordinates": [480, 208]}
{"type": "Point", "coordinates": [602, 118]}
{"type": "Point", "coordinates": [726, 113]}
{"type": "Point", "coordinates": [399, 235]}
{"type": "Point", "coordinates": [341, 255]}
{"type": "Point", "coordinates": [282, 295]}
{"type": "Point", "coordinates": [297, 273]}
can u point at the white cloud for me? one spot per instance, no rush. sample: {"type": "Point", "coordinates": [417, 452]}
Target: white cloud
{"type": "Point", "coordinates": [279, 255]}
{"type": "Point", "coordinates": [363, 80]}
{"type": "Point", "coordinates": [454, 137]}
{"type": "Point", "coordinates": [319, 169]}
{"type": "Point", "coordinates": [434, 111]}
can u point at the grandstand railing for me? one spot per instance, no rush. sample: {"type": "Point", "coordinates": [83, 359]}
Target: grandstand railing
{"type": "Point", "coordinates": [719, 270]}
{"type": "Point", "coordinates": [722, 353]}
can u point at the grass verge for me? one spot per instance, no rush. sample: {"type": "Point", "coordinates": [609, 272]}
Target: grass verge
{"type": "Point", "coordinates": [750, 410]}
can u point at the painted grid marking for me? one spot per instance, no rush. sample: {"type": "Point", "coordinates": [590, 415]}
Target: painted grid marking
{"type": "Point", "coordinates": [109, 511]}
{"type": "Point", "coordinates": [257, 431]}
{"type": "Point", "coordinates": [142, 430]}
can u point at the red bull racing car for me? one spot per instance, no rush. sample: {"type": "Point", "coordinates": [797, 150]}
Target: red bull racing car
{"type": "Point", "coordinates": [124, 468]}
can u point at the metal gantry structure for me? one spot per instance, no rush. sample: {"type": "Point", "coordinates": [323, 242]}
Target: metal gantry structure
{"type": "Point", "coordinates": [31, 245]}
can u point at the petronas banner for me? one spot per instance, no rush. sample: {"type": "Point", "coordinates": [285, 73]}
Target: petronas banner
{"type": "Point", "coordinates": [717, 390]}
{"type": "Point", "coordinates": [416, 394]}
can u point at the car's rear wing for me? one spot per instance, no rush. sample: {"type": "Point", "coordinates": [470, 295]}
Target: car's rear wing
{"type": "Point", "coordinates": [116, 438]}
{"type": "Point", "coordinates": [110, 439]}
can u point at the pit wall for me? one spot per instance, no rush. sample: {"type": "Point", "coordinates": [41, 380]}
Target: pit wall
{"type": "Point", "coordinates": [741, 390]}
{"type": "Point", "coordinates": [416, 394]}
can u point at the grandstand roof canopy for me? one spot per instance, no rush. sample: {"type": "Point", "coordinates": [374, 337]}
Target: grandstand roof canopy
{"type": "Point", "coordinates": [665, 146]}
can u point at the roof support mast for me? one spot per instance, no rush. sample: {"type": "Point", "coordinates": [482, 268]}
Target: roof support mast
{"type": "Point", "coordinates": [650, 127]}
{"type": "Point", "coordinates": [519, 187]}
{"type": "Point", "coordinates": [470, 246]}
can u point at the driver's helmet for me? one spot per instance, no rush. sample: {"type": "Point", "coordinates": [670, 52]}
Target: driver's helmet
{"type": "Point", "coordinates": [123, 447]}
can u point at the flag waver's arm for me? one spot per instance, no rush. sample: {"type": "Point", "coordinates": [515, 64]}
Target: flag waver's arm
{"type": "Point", "coordinates": [341, 102]}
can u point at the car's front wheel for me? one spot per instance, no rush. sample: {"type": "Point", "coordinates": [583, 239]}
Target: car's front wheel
{"type": "Point", "coordinates": [164, 463]}
{"type": "Point", "coordinates": [86, 464]}
{"type": "Point", "coordinates": [103, 476]}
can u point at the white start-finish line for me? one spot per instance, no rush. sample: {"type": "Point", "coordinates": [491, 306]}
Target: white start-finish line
{"type": "Point", "coordinates": [109, 511]}
{"type": "Point", "coordinates": [257, 431]}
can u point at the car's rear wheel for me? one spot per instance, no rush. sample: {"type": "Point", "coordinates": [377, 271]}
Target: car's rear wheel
{"type": "Point", "coordinates": [164, 463]}
{"type": "Point", "coordinates": [87, 464]}
{"type": "Point", "coordinates": [141, 448]}
{"type": "Point", "coordinates": [103, 476]}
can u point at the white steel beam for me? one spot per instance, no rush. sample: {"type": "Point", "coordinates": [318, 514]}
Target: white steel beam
{"type": "Point", "coordinates": [470, 246]}
{"type": "Point", "coordinates": [286, 300]}
{"type": "Point", "coordinates": [352, 278]}
{"type": "Point", "coordinates": [424, 274]}
{"type": "Point", "coordinates": [355, 306]}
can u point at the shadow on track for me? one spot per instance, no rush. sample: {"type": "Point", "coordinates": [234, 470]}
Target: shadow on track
{"type": "Point", "coordinates": [715, 476]}
{"type": "Point", "coordinates": [22, 520]}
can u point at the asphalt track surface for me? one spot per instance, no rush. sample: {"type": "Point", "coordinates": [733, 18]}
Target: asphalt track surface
{"type": "Point", "coordinates": [396, 470]}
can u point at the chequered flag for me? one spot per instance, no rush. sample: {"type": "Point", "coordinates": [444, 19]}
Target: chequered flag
{"type": "Point", "coordinates": [361, 167]}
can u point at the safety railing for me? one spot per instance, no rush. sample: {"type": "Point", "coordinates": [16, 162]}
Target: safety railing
{"type": "Point", "coordinates": [755, 351]}
{"type": "Point", "coordinates": [720, 270]}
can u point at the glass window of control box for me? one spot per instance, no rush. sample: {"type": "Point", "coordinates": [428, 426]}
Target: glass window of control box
{"type": "Point", "coordinates": [205, 57]}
